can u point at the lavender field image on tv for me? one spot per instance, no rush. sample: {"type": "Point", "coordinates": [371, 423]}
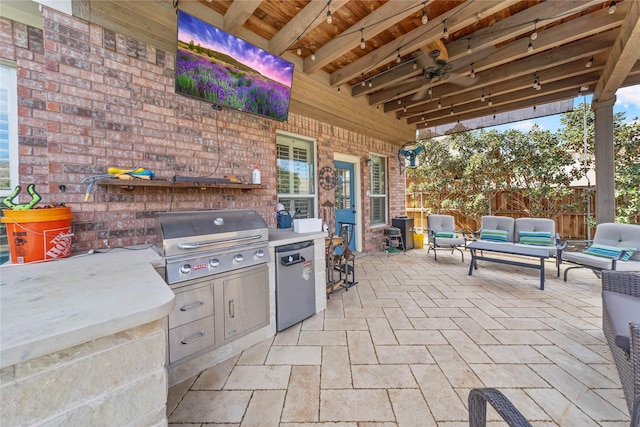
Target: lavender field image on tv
{"type": "Point", "coordinates": [217, 67]}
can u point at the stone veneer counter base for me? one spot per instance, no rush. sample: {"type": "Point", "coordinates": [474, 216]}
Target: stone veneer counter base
{"type": "Point", "coordinates": [83, 340]}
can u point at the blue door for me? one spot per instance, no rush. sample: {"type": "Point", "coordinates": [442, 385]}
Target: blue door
{"type": "Point", "coordinates": [345, 202]}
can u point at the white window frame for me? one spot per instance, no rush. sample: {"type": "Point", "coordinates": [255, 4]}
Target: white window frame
{"type": "Point", "coordinates": [375, 196]}
{"type": "Point", "coordinates": [284, 138]}
{"type": "Point", "coordinates": [10, 84]}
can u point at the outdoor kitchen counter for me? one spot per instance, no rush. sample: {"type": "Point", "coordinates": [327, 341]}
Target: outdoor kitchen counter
{"type": "Point", "coordinates": [50, 306]}
{"type": "Point", "coordinates": [286, 236]}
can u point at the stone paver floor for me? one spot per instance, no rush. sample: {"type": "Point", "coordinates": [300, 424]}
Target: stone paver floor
{"type": "Point", "coordinates": [406, 344]}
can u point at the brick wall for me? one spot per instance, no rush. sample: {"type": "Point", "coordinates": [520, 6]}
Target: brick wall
{"type": "Point", "coordinates": [90, 98]}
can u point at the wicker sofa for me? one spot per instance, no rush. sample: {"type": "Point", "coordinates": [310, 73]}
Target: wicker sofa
{"type": "Point", "coordinates": [621, 327]}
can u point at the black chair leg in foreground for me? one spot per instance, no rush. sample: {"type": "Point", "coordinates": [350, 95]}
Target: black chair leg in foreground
{"type": "Point", "coordinates": [478, 398]}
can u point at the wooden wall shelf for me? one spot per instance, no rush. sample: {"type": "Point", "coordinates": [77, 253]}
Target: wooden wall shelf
{"type": "Point", "coordinates": [129, 184]}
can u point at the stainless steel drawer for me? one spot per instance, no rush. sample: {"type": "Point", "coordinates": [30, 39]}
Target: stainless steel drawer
{"type": "Point", "coordinates": [190, 338]}
{"type": "Point", "coordinates": [191, 305]}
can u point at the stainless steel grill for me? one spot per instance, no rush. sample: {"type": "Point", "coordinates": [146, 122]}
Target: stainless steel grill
{"type": "Point", "coordinates": [196, 244]}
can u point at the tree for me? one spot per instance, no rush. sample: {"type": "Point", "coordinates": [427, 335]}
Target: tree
{"type": "Point", "coordinates": [626, 137]}
{"type": "Point", "coordinates": [543, 168]}
{"type": "Point", "coordinates": [464, 172]}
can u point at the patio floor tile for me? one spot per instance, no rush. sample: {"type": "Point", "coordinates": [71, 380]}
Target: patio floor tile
{"type": "Point", "coordinates": [405, 346]}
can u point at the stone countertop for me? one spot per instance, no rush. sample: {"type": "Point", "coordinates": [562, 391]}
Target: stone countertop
{"type": "Point", "coordinates": [286, 236]}
{"type": "Point", "coordinates": [49, 306]}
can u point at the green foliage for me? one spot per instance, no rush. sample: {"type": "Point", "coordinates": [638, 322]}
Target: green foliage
{"type": "Point", "coordinates": [464, 172]}
{"type": "Point", "coordinates": [626, 139]}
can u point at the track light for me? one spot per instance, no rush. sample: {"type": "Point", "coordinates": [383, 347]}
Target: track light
{"type": "Point", "coordinates": [415, 65]}
{"type": "Point", "coordinates": [473, 72]}
{"type": "Point", "coordinates": [404, 109]}
{"type": "Point", "coordinates": [313, 55]}
{"type": "Point", "coordinates": [299, 51]}
{"type": "Point", "coordinates": [398, 59]}
{"type": "Point", "coordinates": [422, 118]}
{"type": "Point", "coordinates": [363, 83]}
{"type": "Point", "coordinates": [424, 17]}
{"type": "Point", "coordinates": [439, 105]}
{"type": "Point", "coordinates": [468, 46]}
{"type": "Point", "coordinates": [430, 91]}
{"type": "Point", "coordinates": [482, 96]}
{"type": "Point", "coordinates": [490, 102]}
{"type": "Point", "coordinates": [362, 44]}
{"type": "Point", "coordinates": [530, 47]}
{"type": "Point", "coordinates": [589, 63]}
{"type": "Point", "coordinates": [399, 102]}
{"type": "Point", "coordinates": [451, 112]}
{"type": "Point", "coordinates": [370, 83]}
{"type": "Point", "coordinates": [329, 17]}
{"type": "Point", "coordinates": [612, 8]}
{"type": "Point", "coordinates": [445, 32]}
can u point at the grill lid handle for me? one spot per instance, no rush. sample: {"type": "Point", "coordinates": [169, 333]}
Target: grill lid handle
{"type": "Point", "coordinates": [217, 242]}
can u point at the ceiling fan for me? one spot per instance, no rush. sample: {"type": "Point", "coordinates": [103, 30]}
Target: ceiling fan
{"type": "Point", "coordinates": [434, 69]}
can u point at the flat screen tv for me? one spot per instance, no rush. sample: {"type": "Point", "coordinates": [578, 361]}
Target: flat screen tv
{"type": "Point", "coordinates": [220, 68]}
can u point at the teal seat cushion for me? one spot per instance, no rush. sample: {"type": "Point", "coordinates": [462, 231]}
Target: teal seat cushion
{"type": "Point", "coordinates": [610, 252]}
{"type": "Point", "coordinates": [446, 234]}
{"type": "Point", "coordinates": [537, 238]}
{"type": "Point", "coordinates": [494, 235]}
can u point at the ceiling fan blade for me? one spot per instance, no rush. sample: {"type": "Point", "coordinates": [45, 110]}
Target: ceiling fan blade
{"type": "Point", "coordinates": [458, 80]}
{"type": "Point", "coordinates": [421, 93]}
{"type": "Point", "coordinates": [424, 60]}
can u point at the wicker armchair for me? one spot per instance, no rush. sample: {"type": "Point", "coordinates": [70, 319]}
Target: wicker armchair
{"type": "Point", "coordinates": [478, 398]}
{"type": "Point", "coordinates": [617, 286]}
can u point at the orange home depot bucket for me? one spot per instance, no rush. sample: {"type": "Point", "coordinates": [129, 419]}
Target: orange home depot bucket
{"type": "Point", "coordinates": [38, 234]}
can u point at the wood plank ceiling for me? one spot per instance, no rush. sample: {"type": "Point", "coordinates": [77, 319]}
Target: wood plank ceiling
{"type": "Point", "coordinates": [492, 52]}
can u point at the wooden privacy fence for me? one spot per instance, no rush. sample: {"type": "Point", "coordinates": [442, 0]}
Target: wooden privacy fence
{"type": "Point", "coordinates": [571, 225]}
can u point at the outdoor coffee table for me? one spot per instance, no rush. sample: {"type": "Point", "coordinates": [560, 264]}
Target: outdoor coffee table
{"type": "Point", "coordinates": [507, 249]}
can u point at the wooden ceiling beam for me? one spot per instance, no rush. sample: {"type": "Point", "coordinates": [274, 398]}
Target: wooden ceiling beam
{"type": "Point", "coordinates": [395, 75]}
{"type": "Point", "coordinates": [305, 21]}
{"type": "Point", "coordinates": [515, 25]}
{"type": "Point", "coordinates": [533, 63]}
{"type": "Point", "coordinates": [523, 99]}
{"type": "Point", "coordinates": [522, 94]}
{"type": "Point", "coordinates": [376, 22]}
{"type": "Point", "coordinates": [624, 54]}
{"type": "Point", "coordinates": [551, 75]}
{"type": "Point", "coordinates": [559, 36]}
{"type": "Point", "coordinates": [594, 23]}
{"type": "Point", "coordinates": [456, 19]}
{"type": "Point", "coordinates": [239, 12]}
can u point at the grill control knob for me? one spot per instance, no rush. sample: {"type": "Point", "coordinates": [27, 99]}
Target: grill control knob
{"type": "Point", "coordinates": [185, 268]}
{"type": "Point", "coordinates": [214, 263]}
{"type": "Point", "coordinates": [218, 221]}
{"type": "Point", "coordinates": [238, 258]}
{"type": "Point", "coordinates": [259, 253]}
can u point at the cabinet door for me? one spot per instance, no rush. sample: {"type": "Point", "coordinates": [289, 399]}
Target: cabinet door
{"type": "Point", "coordinates": [246, 299]}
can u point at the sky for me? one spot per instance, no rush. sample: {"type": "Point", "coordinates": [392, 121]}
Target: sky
{"type": "Point", "coordinates": [627, 101]}
{"type": "Point", "coordinates": [205, 34]}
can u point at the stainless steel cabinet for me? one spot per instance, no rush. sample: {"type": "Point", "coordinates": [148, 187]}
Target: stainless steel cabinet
{"type": "Point", "coordinates": [216, 310]}
{"type": "Point", "coordinates": [245, 302]}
